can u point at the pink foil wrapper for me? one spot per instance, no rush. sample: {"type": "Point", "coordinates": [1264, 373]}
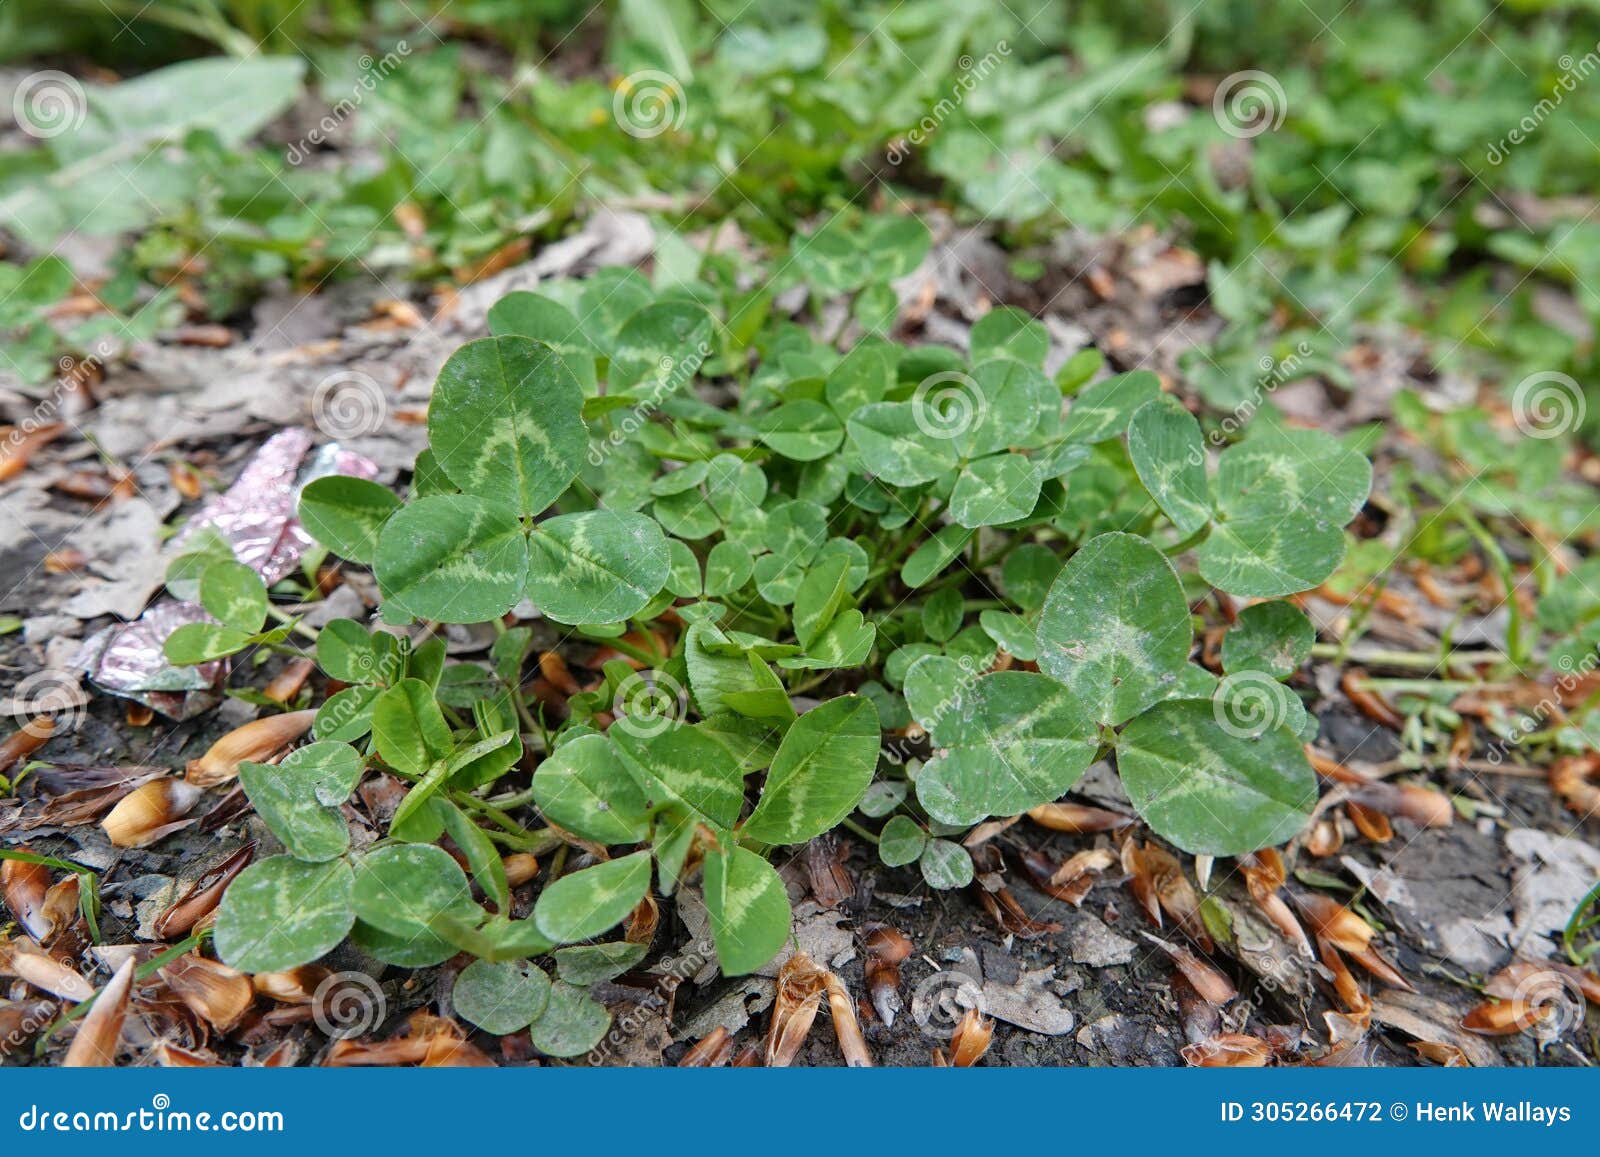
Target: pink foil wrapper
{"type": "Point", "coordinates": [256, 516]}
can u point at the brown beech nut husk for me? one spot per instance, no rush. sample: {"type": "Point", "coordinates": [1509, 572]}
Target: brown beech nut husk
{"type": "Point", "coordinates": [149, 812]}
{"type": "Point", "coordinates": [256, 741]}
{"type": "Point", "coordinates": [100, 1033]}
{"type": "Point", "coordinates": [218, 994]}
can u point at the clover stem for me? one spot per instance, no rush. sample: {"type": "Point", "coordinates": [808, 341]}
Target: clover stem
{"type": "Point", "coordinates": [292, 623]}
{"type": "Point", "coordinates": [859, 830]}
{"type": "Point", "coordinates": [1188, 543]}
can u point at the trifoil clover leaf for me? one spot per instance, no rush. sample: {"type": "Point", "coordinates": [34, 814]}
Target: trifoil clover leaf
{"type": "Point", "coordinates": [820, 773]}
{"type": "Point", "coordinates": [299, 798]}
{"type": "Point", "coordinates": [597, 566]}
{"type": "Point", "coordinates": [1283, 498]}
{"type": "Point", "coordinates": [1168, 452]}
{"type": "Point", "coordinates": [281, 913]}
{"type": "Point", "coordinates": [235, 596]}
{"type": "Point", "coordinates": [506, 422]}
{"type": "Point", "coordinates": [1015, 740]}
{"type": "Point", "coordinates": [452, 558]}
{"type": "Point", "coordinates": [1210, 789]}
{"type": "Point", "coordinates": [506, 427]}
{"type": "Point", "coordinates": [1272, 637]}
{"type": "Point", "coordinates": [1115, 628]}
{"type": "Point", "coordinates": [749, 909]}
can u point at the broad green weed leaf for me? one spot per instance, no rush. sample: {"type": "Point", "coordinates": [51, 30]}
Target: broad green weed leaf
{"type": "Point", "coordinates": [942, 613]}
{"type": "Point", "coordinates": [348, 652]}
{"type": "Point", "coordinates": [1012, 633]}
{"type": "Point", "coordinates": [1274, 637]}
{"type": "Point", "coordinates": [417, 950]}
{"type": "Point", "coordinates": [583, 786]}
{"type": "Point", "coordinates": [846, 642]}
{"type": "Point", "coordinates": [597, 566]}
{"type": "Point", "coordinates": [1166, 449]}
{"type": "Point", "coordinates": [347, 715]}
{"type": "Point", "coordinates": [202, 642]}
{"type": "Point", "coordinates": [933, 685]}
{"type": "Point", "coordinates": [1008, 332]}
{"type": "Point", "coordinates": [587, 902]}
{"type": "Point", "coordinates": [683, 579]}
{"type": "Point", "coordinates": [930, 559]}
{"type": "Point", "coordinates": [749, 909]}
{"type": "Point", "coordinates": [728, 567]}
{"type": "Point", "coordinates": [822, 769]}
{"type": "Point", "coordinates": [483, 859]}
{"type": "Point", "coordinates": [1280, 469]}
{"type": "Point", "coordinates": [346, 514]}
{"type": "Point", "coordinates": [660, 349]}
{"type": "Point", "coordinates": [501, 998]}
{"type": "Point", "coordinates": [452, 558]}
{"type": "Point", "coordinates": [1010, 399]}
{"type": "Point", "coordinates": [894, 446]}
{"type": "Point", "coordinates": [1210, 791]}
{"type": "Point", "coordinates": [281, 913]}
{"type": "Point", "coordinates": [532, 315]}
{"type": "Point", "coordinates": [862, 377]}
{"type": "Point", "coordinates": [1015, 740]}
{"type": "Point", "coordinates": [1115, 628]}
{"type": "Point", "coordinates": [819, 597]}
{"type": "Point", "coordinates": [505, 423]}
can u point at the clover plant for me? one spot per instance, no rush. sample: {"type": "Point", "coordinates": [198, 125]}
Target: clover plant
{"type": "Point", "coordinates": [992, 569]}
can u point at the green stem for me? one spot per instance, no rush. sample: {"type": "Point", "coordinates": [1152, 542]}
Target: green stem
{"type": "Point", "coordinates": [851, 825]}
